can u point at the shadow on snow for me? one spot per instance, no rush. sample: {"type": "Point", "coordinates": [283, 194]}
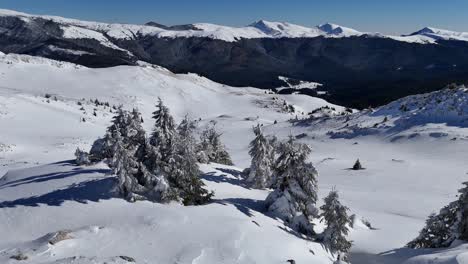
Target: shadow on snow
{"type": "Point", "coordinates": [91, 190]}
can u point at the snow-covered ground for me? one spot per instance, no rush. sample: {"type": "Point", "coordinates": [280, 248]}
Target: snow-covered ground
{"type": "Point", "coordinates": [415, 161]}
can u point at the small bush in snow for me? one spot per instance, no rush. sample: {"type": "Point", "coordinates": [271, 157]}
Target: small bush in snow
{"type": "Point", "coordinates": [82, 157]}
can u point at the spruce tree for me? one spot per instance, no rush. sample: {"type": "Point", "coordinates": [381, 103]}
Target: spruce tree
{"type": "Point", "coordinates": [335, 216]}
{"type": "Point", "coordinates": [449, 224]}
{"type": "Point", "coordinates": [185, 173]}
{"type": "Point", "coordinates": [82, 157]}
{"type": "Point", "coordinates": [164, 133]}
{"type": "Point", "coordinates": [261, 168]}
{"type": "Point", "coordinates": [129, 127]}
{"type": "Point", "coordinates": [357, 165]}
{"type": "Point", "coordinates": [295, 195]}
{"type": "Point", "coordinates": [212, 148]}
{"type": "Point", "coordinates": [158, 155]}
{"type": "Point", "coordinates": [125, 168]}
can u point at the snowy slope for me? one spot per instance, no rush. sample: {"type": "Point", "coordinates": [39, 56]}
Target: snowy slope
{"type": "Point", "coordinates": [440, 114]}
{"type": "Point", "coordinates": [100, 227]}
{"type": "Point", "coordinates": [63, 197]}
{"type": "Point", "coordinates": [406, 178]}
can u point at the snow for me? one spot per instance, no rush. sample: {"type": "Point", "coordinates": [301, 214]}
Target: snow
{"type": "Point", "coordinates": [74, 32]}
{"type": "Point", "coordinates": [337, 30]}
{"type": "Point", "coordinates": [69, 51]}
{"type": "Point", "coordinates": [297, 85]}
{"type": "Point", "coordinates": [436, 33]}
{"type": "Point", "coordinates": [226, 231]}
{"type": "Point", "coordinates": [261, 29]}
{"type": "Point", "coordinates": [413, 167]}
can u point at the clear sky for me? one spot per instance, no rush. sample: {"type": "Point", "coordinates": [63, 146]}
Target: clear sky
{"type": "Point", "coordinates": [385, 16]}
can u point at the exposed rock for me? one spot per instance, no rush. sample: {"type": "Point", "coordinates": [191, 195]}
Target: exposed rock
{"type": "Point", "coordinates": [19, 257]}
{"type": "Point", "coordinates": [60, 236]}
{"type": "Point", "coordinates": [128, 259]}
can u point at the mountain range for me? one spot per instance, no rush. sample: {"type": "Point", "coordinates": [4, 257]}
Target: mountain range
{"type": "Point", "coordinates": [356, 69]}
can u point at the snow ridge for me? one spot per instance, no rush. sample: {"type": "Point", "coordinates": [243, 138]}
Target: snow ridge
{"type": "Point", "coordinates": [261, 29]}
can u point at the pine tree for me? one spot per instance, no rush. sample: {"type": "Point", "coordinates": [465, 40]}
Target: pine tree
{"type": "Point", "coordinates": [357, 165]}
{"type": "Point", "coordinates": [212, 147]}
{"type": "Point", "coordinates": [262, 153]}
{"type": "Point", "coordinates": [463, 201]}
{"type": "Point", "coordinates": [125, 168]}
{"type": "Point", "coordinates": [295, 195]}
{"type": "Point", "coordinates": [185, 173]}
{"type": "Point", "coordinates": [163, 136]}
{"type": "Point", "coordinates": [82, 157]}
{"type": "Point", "coordinates": [335, 216]}
{"type": "Point", "coordinates": [131, 133]}
{"type": "Point", "coordinates": [449, 224]}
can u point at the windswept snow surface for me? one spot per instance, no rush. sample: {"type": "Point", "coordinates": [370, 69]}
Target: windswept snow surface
{"type": "Point", "coordinates": [415, 161]}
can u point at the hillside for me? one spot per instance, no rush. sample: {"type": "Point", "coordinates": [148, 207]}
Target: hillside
{"type": "Point", "coordinates": [41, 120]}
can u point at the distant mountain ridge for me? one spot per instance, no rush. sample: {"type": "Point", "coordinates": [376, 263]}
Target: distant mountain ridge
{"type": "Point", "coordinates": [259, 29]}
{"type": "Point", "coordinates": [356, 69]}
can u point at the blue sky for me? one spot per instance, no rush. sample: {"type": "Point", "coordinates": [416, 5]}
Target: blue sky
{"type": "Point", "coordinates": [386, 16]}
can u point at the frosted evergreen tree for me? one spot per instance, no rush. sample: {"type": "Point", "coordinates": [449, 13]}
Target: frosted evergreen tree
{"type": "Point", "coordinates": [164, 133]}
{"type": "Point", "coordinates": [184, 171]}
{"type": "Point", "coordinates": [212, 148]}
{"type": "Point", "coordinates": [463, 201]}
{"type": "Point", "coordinates": [129, 127]}
{"type": "Point", "coordinates": [357, 165]}
{"type": "Point", "coordinates": [262, 153]}
{"type": "Point", "coordinates": [335, 216]}
{"type": "Point", "coordinates": [295, 195]}
{"type": "Point", "coordinates": [82, 157]}
{"type": "Point", "coordinates": [449, 224]}
{"type": "Point", "coordinates": [157, 156]}
{"type": "Point", "coordinates": [125, 167]}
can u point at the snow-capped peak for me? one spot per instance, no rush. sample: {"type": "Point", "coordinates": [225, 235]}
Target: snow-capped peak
{"type": "Point", "coordinates": [333, 29]}
{"type": "Point", "coordinates": [284, 29]}
{"type": "Point", "coordinates": [74, 28]}
{"type": "Point", "coordinates": [437, 33]}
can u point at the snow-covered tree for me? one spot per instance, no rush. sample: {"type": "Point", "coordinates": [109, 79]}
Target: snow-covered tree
{"type": "Point", "coordinates": [184, 173]}
{"type": "Point", "coordinates": [335, 216]}
{"type": "Point", "coordinates": [212, 147]}
{"type": "Point", "coordinates": [449, 224]}
{"type": "Point", "coordinates": [357, 165]}
{"type": "Point", "coordinates": [125, 167]}
{"type": "Point", "coordinates": [128, 125]}
{"type": "Point", "coordinates": [295, 195]}
{"type": "Point", "coordinates": [164, 132]}
{"type": "Point", "coordinates": [162, 140]}
{"type": "Point", "coordinates": [262, 153]}
{"type": "Point", "coordinates": [82, 157]}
